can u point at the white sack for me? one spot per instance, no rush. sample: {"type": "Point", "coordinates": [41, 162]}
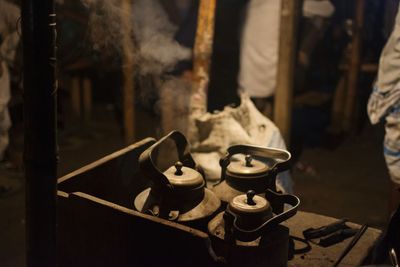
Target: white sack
{"type": "Point", "coordinates": [241, 125]}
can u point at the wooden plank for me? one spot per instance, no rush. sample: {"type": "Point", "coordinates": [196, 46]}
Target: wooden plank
{"type": "Point", "coordinates": [202, 56]}
{"type": "Point", "coordinates": [286, 63]}
{"type": "Point", "coordinates": [128, 71]}
{"type": "Point", "coordinates": [95, 232]}
{"type": "Point", "coordinates": [107, 159]}
{"type": "Point", "coordinates": [116, 177]}
{"type": "Point", "coordinates": [350, 108]}
{"type": "Point", "coordinates": [319, 256]}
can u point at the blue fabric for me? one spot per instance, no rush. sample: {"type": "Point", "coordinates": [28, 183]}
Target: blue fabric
{"type": "Point", "coordinates": [391, 153]}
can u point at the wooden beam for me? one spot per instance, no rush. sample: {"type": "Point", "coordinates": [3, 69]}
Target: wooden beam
{"type": "Point", "coordinates": [202, 56]}
{"type": "Point", "coordinates": [75, 89]}
{"type": "Point", "coordinates": [286, 64]}
{"type": "Point", "coordinates": [128, 71]}
{"type": "Point", "coordinates": [40, 130]}
{"type": "Point", "coordinates": [338, 106]}
{"type": "Point", "coordinates": [87, 98]}
{"type": "Point", "coordinates": [350, 108]}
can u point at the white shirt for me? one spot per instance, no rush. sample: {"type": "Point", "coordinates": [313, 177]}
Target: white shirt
{"type": "Point", "coordinates": [259, 48]}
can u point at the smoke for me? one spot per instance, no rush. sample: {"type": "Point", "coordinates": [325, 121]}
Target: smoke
{"type": "Point", "coordinates": [155, 50]}
{"type": "Point", "coordinates": [174, 105]}
{"type": "Point", "coordinates": [105, 25]}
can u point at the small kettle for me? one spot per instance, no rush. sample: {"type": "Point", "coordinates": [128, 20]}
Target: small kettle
{"type": "Point", "coordinates": [256, 171]}
{"type": "Point", "coordinates": [249, 216]}
{"type": "Point", "coordinates": [179, 193]}
{"type": "Point", "coordinates": [249, 233]}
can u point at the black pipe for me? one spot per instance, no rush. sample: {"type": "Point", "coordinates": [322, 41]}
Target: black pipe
{"type": "Point", "coordinates": [40, 148]}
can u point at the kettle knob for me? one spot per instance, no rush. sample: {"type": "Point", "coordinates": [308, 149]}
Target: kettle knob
{"type": "Point", "coordinates": [178, 167]}
{"type": "Point", "coordinates": [250, 195]}
{"type": "Point", "coordinates": [248, 160]}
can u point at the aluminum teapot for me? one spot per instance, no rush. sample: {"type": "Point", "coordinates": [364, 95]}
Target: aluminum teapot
{"type": "Point", "coordinates": [256, 170]}
{"type": "Point", "coordinates": [179, 193]}
{"type": "Point", "coordinates": [249, 216]}
{"type": "Point", "coordinates": [249, 233]}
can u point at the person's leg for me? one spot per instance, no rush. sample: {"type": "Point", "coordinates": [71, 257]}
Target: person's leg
{"type": "Point", "coordinates": [394, 200]}
{"type": "Point", "coordinates": [392, 156]}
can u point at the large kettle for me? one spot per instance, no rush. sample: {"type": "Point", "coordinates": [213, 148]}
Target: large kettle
{"type": "Point", "coordinates": [255, 168]}
{"type": "Point", "coordinates": [179, 193]}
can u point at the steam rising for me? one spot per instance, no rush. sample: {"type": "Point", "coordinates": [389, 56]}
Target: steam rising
{"type": "Point", "coordinates": [155, 51]}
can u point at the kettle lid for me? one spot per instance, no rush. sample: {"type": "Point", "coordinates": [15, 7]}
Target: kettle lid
{"type": "Point", "coordinates": [181, 176]}
{"type": "Point", "coordinates": [247, 167]}
{"type": "Point", "coordinates": [250, 203]}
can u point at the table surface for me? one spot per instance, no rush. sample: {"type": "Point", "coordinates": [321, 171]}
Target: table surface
{"type": "Point", "coordinates": [320, 256]}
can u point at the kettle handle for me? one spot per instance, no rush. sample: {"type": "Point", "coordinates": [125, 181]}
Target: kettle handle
{"type": "Point", "coordinates": [147, 161]}
{"type": "Point", "coordinates": [248, 235]}
{"type": "Point", "coordinates": [260, 151]}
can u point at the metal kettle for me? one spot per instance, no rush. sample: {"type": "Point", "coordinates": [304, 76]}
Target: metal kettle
{"type": "Point", "coordinates": [179, 193]}
{"type": "Point", "coordinates": [249, 216]}
{"type": "Point", "coordinates": [249, 233]}
{"type": "Point", "coordinates": [257, 170]}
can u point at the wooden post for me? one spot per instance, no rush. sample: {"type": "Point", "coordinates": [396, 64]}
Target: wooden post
{"type": "Point", "coordinates": [202, 56]}
{"type": "Point", "coordinates": [338, 106]}
{"type": "Point", "coordinates": [128, 71]}
{"type": "Point", "coordinates": [350, 108]}
{"type": "Point", "coordinates": [87, 98]}
{"type": "Point", "coordinates": [286, 64]}
{"type": "Point", "coordinates": [76, 96]}
{"type": "Point", "coordinates": [40, 130]}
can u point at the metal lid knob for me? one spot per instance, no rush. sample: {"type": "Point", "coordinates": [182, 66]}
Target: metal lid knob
{"type": "Point", "coordinates": [182, 176]}
{"type": "Point", "coordinates": [246, 165]}
{"type": "Point", "coordinates": [249, 203]}
{"type": "Point", "coordinates": [248, 159]}
{"type": "Point", "coordinates": [178, 168]}
{"type": "Point", "coordinates": [250, 195]}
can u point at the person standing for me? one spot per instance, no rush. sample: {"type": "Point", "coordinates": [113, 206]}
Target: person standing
{"type": "Point", "coordinates": [384, 105]}
{"type": "Point", "coordinates": [259, 50]}
{"type": "Point", "coordinates": [260, 45]}
{"type": "Point", "coordinates": [9, 15]}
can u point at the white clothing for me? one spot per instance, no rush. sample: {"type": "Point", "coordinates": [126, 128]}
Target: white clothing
{"type": "Point", "coordinates": [259, 48]}
{"type": "Point", "coordinates": [318, 8]}
{"type": "Point", "coordinates": [384, 102]}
